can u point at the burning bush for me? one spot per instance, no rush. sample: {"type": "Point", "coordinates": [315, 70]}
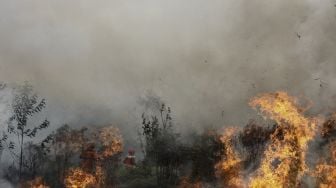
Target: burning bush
{"type": "Point", "coordinates": [283, 162]}
{"type": "Point", "coordinates": [254, 138]}
{"type": "Point", "coordinates": [229, 168]}
{"type": "Point", "coordinates": [110, 140]}
{"type": "Point", "coordinates": [256, 156]}
{"type": "Point", "coordinates": [35, 183]}
{"type": "Point", "coordinates": [77, 178]}
{"type": "Point", "coordinates": [325, 171]}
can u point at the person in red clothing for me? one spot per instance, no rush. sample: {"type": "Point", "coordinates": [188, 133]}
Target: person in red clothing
{"type": "Point", "coordinates": [129, 161]}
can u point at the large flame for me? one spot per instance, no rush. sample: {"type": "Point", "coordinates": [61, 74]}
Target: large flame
{"type": "Point", "coordinates": [229, 167]}
{"type": "Point", "coordinates": [110, 143]}
{"type": "Point", "coordinates": [111, 140]}
{"type": "Point", "coordinates": [283, 164]}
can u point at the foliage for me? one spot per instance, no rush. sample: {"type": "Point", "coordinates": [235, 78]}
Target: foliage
{"type": "Point", "coordinates": [62, 146]}
{"type": "Point", "coordinates": [25, 105]}
{"type": "Point", "coordinates": [140, 176]}
{"type": "Point", "coordinates": [254, 138]}
{"type": "Point", "coordinates": [206, 151]}
{"type": "Point", "coordinates": [162, 147]}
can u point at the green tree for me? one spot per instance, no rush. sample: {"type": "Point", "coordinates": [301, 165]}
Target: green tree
{"type": "Point", "coordinates": [62, 145]}
{"type": "Point", "coordinates": [35, 160]}
{"type": "Point", "coordinates": [162, 147]}
{"type": "Point", "coordinates": [25, 105]}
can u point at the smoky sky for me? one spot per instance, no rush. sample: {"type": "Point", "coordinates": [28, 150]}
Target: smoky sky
{"type": "Point", "coordinates": [99, 62]}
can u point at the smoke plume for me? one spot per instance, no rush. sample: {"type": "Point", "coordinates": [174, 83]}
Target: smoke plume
{"type": "Point", "coordinates": [95, 60]}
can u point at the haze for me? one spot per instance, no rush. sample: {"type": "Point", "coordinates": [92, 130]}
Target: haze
{"type": "Point", "coordinates": [98, 62]}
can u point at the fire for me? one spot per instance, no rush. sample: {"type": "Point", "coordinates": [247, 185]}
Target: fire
{"type": "Point", "coordinates": [186, 183]}
{"type": "Point", "coordinates": [111, 141]}
{"type": "Point", "coordinates": [100, 175]}
{"type": "Point", "coordinates": [325, 172]}
{"type": "Point", "coordinates": [36, 183]}
{"type": "Point", "coordinates": [284, 109]}
{"type": "Point", "coordinates": [229, 167]}
{"type": "Point", "coordinates": [283, 164]}
{"type": "Point", "coordinates": [77, 178]}
{"type": "Point", "coordinates": [92, 172]}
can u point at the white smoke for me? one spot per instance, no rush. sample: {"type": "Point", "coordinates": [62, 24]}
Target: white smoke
{"type": "Point", "coordinates": [5, 184]}
{"type": "Point", "coordinates": [93, 59]}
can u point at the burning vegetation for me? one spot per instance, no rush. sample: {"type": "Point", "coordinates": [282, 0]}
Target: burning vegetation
{"type": "Point", "coordinates": [325, 171]}
{"type": "Point", "coordinates": [77, 178]}
{"type": "Point", "coordinates": [229, 168]}
{"type": "Point", "coordinates": [291, 149]}
{"type": "Point", "coordinates": [107, 142]}
{"type": "Point", "coordinates": [283, 164]}
{"type": "Point", "coordinates": [281, 161]}
{"type": "Point", "coordinates": [35, 183]}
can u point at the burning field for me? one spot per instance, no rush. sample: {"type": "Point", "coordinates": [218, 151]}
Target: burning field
{"type": "Point", "coordinates": [167, 93]}
{"type": "Point", "coordinates": [283, 161]}
{"type": "Point", "coordinates": [286, 148]}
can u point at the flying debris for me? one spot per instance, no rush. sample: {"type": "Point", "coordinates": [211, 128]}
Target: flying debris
{"type": "Point", "coordinates": [322, 83]}
{"type": "Point", "coordinates": [298, 35]}
{"type": "Point", "coordinates": [2, 86]}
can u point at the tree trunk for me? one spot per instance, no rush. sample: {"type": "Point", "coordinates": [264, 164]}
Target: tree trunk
{"type": "Point", "coordinates": [21, 156]}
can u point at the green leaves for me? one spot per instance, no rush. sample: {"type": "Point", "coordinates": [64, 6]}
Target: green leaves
{"type": "Point", "coordinates": [25, 104]}
{"type": "Point", "coordinates": [39, 107]}
{"type": "Point", "coordinates": [32, 133]}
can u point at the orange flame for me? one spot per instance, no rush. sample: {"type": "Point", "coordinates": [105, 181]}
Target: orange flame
{"type": "Point", "coordinates": [284, 160]}
{"type": "Point", "coordinates": [36, 183]}
{"type": "Point", "coordinates": [229, 167]}
{"type": "Point", "coordinates": [186, 183]}
{"type": "Point", "coordinates": [325, 172]}
{"type": "Point", "coordinates": [77, 178]}
{"type": "Point", "coordinates": [111, 140]}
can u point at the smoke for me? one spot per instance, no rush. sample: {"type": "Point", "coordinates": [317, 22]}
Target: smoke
{"type": "Point", "coordinates": [94, 60]}
{"type": "Point", "coordinates": [6, 96]}
{"type": "Point", "coordinates": [5, 184]}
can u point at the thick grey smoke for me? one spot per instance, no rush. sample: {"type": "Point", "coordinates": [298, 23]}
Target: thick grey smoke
{"type": "Point", "coordinates": [5, 184]}
{"type": "Point", "coordinates": [95, 60]}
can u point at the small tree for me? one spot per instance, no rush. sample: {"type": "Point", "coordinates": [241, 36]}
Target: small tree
{"type": "Point", "coordinates": [162, 148]}
{"type": "Point", "coordinates": [62, 145]}
{"type": "Point", "coordinates": [3, 140]}
{"type": "Point", "coordinates": [25, 105]}
{"type": "Point", "coordinates": [35, 160]}
{"type": "Point", "coordinates": [3, 135]}
{"type": "Point", "coordinates": [206, 152]}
